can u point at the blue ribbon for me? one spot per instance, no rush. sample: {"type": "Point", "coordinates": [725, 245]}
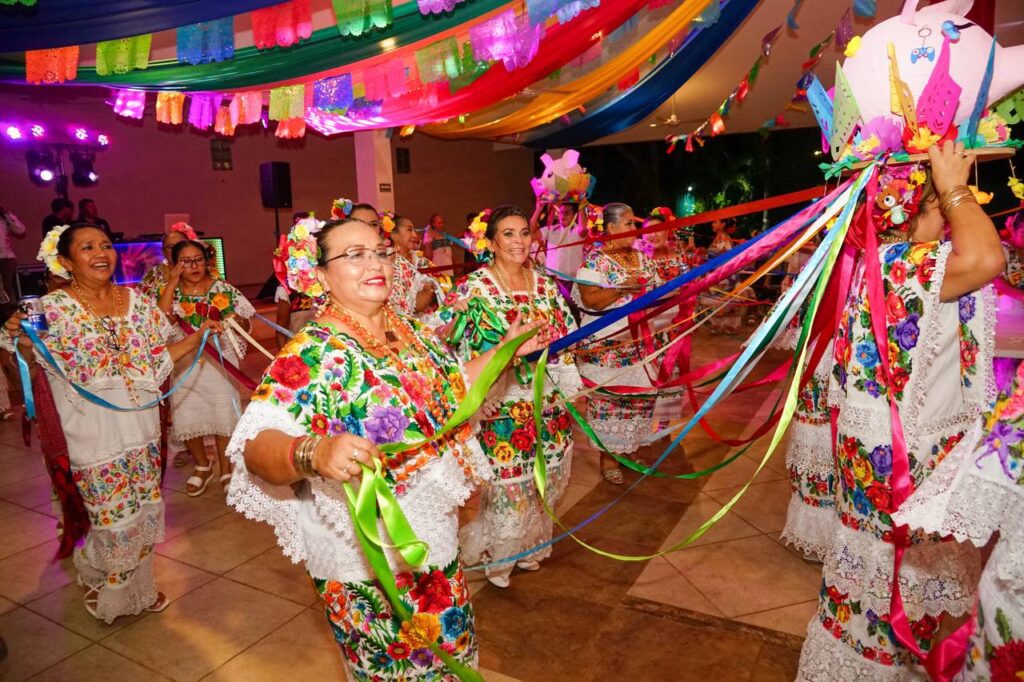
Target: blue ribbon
{"type": "Point", "coordinates": [26, 378]}
{"type": "Point", "coordinates": [792, 299]}
{"type": "Point", "coordinates": [273, 325]}
{"type": "Point", "coordinates": [652, 91]}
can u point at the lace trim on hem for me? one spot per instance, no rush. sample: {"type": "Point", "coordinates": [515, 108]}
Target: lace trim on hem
{"type": "Point", "coordinates": [810, 448]}
{"type": "Point", "coordinates": [825, 658]}
{"type": "Point", "coordinates": [936, 577]}
{"type": "Point", "coordinates": [210, 429]}
{"type": "Point", "coordinates": [809, 529]}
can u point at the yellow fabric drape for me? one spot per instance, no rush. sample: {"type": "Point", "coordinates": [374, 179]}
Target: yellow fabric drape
{"type": "Point", "coordinates": [551, 105]}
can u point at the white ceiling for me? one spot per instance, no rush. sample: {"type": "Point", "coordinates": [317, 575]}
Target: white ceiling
{"type": "Point", "coordinates": [704, 92]}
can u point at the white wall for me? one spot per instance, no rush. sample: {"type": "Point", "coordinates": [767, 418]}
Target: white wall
{"type": "Point", "coordinates": [152, 169]}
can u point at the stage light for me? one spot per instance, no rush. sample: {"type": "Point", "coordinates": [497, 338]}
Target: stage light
{"type": "Point", "coordinates": [102, 140]}
{"type": "Point", "coordinates": [42, 166]}
{"type": "Point", "coordinates": [81, 134]}
{"type": "Point", "coordinates": [38, 131]}
{"type": "Point", "coordinates": [13, 133]}
{"type": "Point", "coordinates": [82, 172]}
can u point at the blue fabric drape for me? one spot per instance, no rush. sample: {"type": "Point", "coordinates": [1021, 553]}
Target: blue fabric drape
{"type": "Point", "coordinates": [57, 23]}
{"type": "Point", "coordinates": [653, 89]}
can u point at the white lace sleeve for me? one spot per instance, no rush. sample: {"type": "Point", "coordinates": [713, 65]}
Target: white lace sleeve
{"type": "Point", "coordinates": [254, 497]}
{"type": "Point", "coordinates": [967, 496]}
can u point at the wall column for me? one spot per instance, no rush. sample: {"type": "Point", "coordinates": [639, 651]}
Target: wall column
{"type": "Point", "coordinates": [375, 183]}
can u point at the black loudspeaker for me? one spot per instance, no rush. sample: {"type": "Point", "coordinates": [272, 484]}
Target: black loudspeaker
{"type": "Point", "coordinates": [276, 184]}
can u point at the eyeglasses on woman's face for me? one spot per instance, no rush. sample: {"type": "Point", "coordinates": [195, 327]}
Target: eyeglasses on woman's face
{"type": "Point", "coordinates": [197, 262]}
{"type": "Point", "coordinates": [361, 257]}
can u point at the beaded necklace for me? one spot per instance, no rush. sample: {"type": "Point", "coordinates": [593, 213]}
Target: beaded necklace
{"type": "Point", "coordinates": [115, 338]}
{"type": "Point", "coordinates": [422, 363]}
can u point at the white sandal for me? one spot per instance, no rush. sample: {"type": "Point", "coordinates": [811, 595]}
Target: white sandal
{"type": "Point", "coordinates": [225, 480]}
{"type": "Point", "coordinates": [200, 482]}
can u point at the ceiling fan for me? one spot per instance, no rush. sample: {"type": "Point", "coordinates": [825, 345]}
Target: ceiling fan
{"type": "Point", "coordinates": [671, 121]}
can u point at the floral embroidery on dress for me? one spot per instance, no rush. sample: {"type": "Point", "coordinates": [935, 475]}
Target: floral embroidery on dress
{"type": "Point", "coordinates": [380, 647]}
{"type": "Point", "coordinates": [115, 491]}
{"type": "Point", "coordinates": [218, 303]}
{"type": "Point", "coordinates": [330, 385]}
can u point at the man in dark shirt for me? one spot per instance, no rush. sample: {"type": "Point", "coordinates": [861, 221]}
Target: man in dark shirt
{"type": "Point", "coordinates": [87, 215]}
{"type": "Point", "coordinates": [61, 213]}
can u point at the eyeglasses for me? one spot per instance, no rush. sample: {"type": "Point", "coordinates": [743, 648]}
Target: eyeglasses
{"type": "Point", "coordinates": [361, 257]}
{"type": "Point", "coordinates": [113, 341]}
{"type": "Point", "coordinates": [189, 262]}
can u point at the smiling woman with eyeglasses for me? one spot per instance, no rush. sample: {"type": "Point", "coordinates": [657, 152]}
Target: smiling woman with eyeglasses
{"type": "Point", "coordinates": [206, 404]}
{"type": "Point", "coordinates": [357, 376]}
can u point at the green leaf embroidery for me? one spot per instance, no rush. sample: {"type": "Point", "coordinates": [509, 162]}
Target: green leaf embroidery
{"type": "Point", "coordinates": [1003, 626]}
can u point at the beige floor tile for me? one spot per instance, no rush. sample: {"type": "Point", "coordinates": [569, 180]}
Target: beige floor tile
{"type": "Point", "coordinates": [585, 467]}
{"type": "Point", "coordinates": [792, 619]}
{"type": "Point", "coordinates": [8, 509]}
{"type": "Point", "coordinates": [729, 527]}
{"type": "Point", "coordinates": [66, 607]}
{"type": "Point", "coordinates": [737, 473]}
{"type": "Point", "coordinates": [492, 676]}
{"type": "Point", "coordinates": [24, 530]}
{"type": "Point", "coordinates": [176, 478]}
{"type": "Point", "coordinates": [274, 659]}
{"type": "Point", "coordinates": [203, 630]}
{"type": "Point", "coordinates": [176, 579]}
{"type": "Point", "coordinates": [221, 544]}
{"type": "Point", "coordinates": [747, 575]}
{"type": "Point", "coordinates": [275, 573]}
{"type": "Point", "coordinates": [97, 664]}
{"type": "Point", "coordinates": [32, 573]}
{"type": "Point", "coordinates": [183, 513]}
{"type": "Point", "coordinates": [34, 644]}
{"type": "Point", "coordinates": [574, 492]}
{"type": "Point", "coordinates": [18, 465]}
{"type": "Point", "coordinates": [661, 582]}
{"type": "Point", "coordinates": [764, 505]}
{"type": "Point", "coordinates": [31, 493]}
{"type": "Point", "coordinates": [6, 605]}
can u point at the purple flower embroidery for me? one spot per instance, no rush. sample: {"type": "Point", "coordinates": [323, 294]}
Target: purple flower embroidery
{"type": "Point", "coordinates": [999, 441]}
{"type": "Point", "coordinates": [881, 460]}
{"type": "Point", "coordinates": [907, 333]}
{"type": "Point", "coordinates": [967, 309]}
{"type": "Point", "coordinates": [335, 427]}
{"type": "Point", "coordinates": [422, 658]}
{"type": "Point", "coordinates": [871, 387]}
{"type": "Point", "coordinates": [386, 424]}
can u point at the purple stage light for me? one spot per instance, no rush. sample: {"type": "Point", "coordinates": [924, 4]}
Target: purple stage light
{"type": "Point", "coordinates": [81, 134]}
{"type": "Point", "coordinates": [102, 140]}
{"type": "Point", "coordinates": [38, 131]}
{"type": "Point", "coordinates": [45, 174]}
{"type": "Point", "coordinates": [14, 133]}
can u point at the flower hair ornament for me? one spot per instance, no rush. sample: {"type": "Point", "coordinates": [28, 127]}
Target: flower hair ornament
{"type": "Point", "coordinates": [48, 252]}
{"type": "Point", "coordinates": [298, 253]}
{"type": "Point", "coordinates": [341, 208]}
{"type": "Point", "coordinates": [899, 196]}
{"type": "Point", "coordinates": [594, 216]}
{"type": "Point", "coordinates": [387, 222]}
{"type": "Point", "coordinates": [185, 229]}
{"type": "Point", "coordinates": [475, 240]}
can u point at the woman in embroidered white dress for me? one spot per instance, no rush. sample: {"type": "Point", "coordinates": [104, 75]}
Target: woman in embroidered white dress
{"type": "Point", "coordinates": [511, 518]}
{"type": "Point", "coordinates": [977, 491]}
{"type": "Point", "coordinates": [111, 341]}
{"type": "Point", "coordinates": [207, 404]}
{"type": "Point", "coordinates": [620, 273]}
{"type": "Point", "coordinates": [413, 293]}
{"type": "Point", "coordinates": [357, 376]}
{"type": "Point", "coordinates": [939, 315]}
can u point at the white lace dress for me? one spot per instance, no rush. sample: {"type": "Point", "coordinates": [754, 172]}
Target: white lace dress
{"type": "Point", "coordinates": [975, 492]}
{"type": "Point", "coordinates": [811, 518]}
{"type": "Point", "coordinates": [207, 403]}
{"type": "Point", "coordinates": [941, 358]}
{"type": "Point", "coordinates": [114, 455]}
{"type": "Point", "coordinates": [324, 383]}
{"type": "Point", "coordinates": [511, 518]}
{"type": "Point", "coordinates": [624, 423]}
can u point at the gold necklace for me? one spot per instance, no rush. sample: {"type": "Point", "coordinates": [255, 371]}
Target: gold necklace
{"type": "Point", "coordinates": [504, 285]}
{"type": "Point", "coordinates": [89, 307]}
{"type": "Point", "coordinates": [114, 337]}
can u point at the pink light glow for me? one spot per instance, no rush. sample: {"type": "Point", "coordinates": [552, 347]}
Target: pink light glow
{"type": "Point", "coordinates": [14, 132]}
{"type": "Point", "coordinates": [102, 140]}
{"type": "Point", "coordinates": [81, 134]}
{"type": "Point", "coordinates": [334, 124]}
{"type": "Point", "coordinates": [38, 130]}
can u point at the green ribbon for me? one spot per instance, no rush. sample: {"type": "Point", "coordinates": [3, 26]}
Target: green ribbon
{"type": "Point", "coordinates": [375, 499]}
{"type": "Point", "coordinates": [485, 326]}
{"type": "Point", "coordinates": [324, 51]}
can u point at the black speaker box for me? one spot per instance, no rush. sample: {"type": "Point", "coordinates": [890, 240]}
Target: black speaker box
{"type": "Point", "coordinates": [276, 184]}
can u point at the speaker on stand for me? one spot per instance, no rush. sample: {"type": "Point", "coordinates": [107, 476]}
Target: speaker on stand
{"type": "Point", "coordinates": [276, 190]}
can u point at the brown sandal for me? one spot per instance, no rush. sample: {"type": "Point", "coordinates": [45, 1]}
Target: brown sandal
{"type": "Point", "coordinates": [613, 476]}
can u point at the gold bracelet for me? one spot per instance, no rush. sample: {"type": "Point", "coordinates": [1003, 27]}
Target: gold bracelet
{"type": "Point", "coordinates": [304, 457]}
{"type": "Point", "coordinates": [955, 196]}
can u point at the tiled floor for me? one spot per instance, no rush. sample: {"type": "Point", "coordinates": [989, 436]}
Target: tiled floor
{"type": "Point", "coordinates": [732, 605]}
